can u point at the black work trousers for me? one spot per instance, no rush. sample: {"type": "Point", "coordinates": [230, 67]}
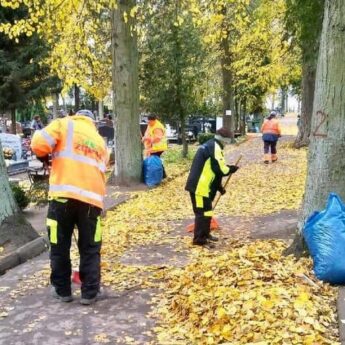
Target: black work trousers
{"type": "Point", "coordinates": [63, 216]}
{"type": "Point", "coordinates": [270, 146]}
{"type": "Point", "coordinates": [202, 208]}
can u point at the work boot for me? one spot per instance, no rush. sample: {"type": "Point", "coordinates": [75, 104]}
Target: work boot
{"type": "Point", "coordinates": [199, 243]}
{"type": "Point", "coordinates": [89, 301]}
{"type": "Point", "coordinates": [212, 238]}
{"type": "Point", "coordinates": [65, 299]}
{"type": "Point", "coordinates": [209, 245]}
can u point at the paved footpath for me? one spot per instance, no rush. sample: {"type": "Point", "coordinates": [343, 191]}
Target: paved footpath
{"type": "Point", "coordinates": [28, 315]}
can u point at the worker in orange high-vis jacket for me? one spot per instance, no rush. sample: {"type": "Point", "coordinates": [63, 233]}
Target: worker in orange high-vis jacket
{"type": "Point", "coordinates": [76, 192]}
{"type": "Point", "coordinates": [271, 132]}
{"type": "Point", "coordinates": [155, 139]}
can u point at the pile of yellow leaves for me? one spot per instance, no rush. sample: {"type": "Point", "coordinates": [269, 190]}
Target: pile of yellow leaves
{"type": "Point", "coordinates": [249, 294]}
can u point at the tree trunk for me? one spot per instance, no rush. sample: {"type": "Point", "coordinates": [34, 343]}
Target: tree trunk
{"type": "Point", "coordinates": [14, 229]}
{"type": "Point", "coordinates": [326, 160]}
{"type": "Point", "coordinates": [100, 109]}
{"type": "Point", "coordinates": [128, 158]}
{"type": "Point", "coordinates": [227, 92]}
{"type": "Point", "coordinates": [283, 100]}
{"type": "Point", "coordinates": [13, 121]}
{"type": "Point", "coordinates": [308, 88]}
{"type": "Point", "coordinates": [55, 105]}
{"type": "Point", "coordinates": [178, 83]}
{"type": "Point", "coordinates": [8, 206]}
{"type": "Point", "coordinates": [243, 117]}
{"type": "Point", "coordinates": [76, 98]}
{"type": "Point", "coordinates": [227, 96]}
{"type": "Point", "coordinates": [273, 101]}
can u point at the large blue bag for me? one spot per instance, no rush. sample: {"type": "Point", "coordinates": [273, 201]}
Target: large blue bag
{"type": "Point", "coordinates": [324, 233]}
{"type": "Point", "coordinates": [153, 171]}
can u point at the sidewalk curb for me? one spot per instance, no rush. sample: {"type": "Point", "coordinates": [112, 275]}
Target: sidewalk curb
{"type": "Point", "coordinates": [341, 313]}
{"type": "Point", "coordinates": [24, 253]}
{"type": "Point", "coordinates": [35, 248]}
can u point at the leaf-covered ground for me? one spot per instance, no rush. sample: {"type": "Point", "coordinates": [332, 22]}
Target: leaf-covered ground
{"type": "Point", "coordinates": [243, 292]}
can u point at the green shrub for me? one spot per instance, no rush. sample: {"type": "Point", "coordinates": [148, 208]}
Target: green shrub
{"type": "Point", "coordinates": [19, 195]}
{"type": "Point", "coordinates": [203, 137]}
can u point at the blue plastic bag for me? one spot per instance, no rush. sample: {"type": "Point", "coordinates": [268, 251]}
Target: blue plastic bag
{"type": "Point", "coordinates": [324, 233]}
{"type": "Point", "coordinates": [153, 171]}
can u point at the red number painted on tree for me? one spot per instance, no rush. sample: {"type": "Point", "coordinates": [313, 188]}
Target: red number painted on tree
{"type": "Point", "coordinates": [323, 117]}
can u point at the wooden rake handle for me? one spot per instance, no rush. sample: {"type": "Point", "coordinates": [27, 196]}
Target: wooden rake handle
{"type": "Point", "coordinates": [226, 183]}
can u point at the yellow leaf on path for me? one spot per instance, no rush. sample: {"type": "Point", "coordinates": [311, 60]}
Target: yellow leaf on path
{"type": "Point", "coordinates": [208, 274]}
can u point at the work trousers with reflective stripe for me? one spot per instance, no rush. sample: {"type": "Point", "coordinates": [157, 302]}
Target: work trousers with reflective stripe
{"type": "Point", "coordinates": [202, 208]}
{"type": "Point", "coordinates": [63, 216]}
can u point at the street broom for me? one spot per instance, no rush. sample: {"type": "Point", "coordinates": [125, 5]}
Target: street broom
{"type": "Point", "coordinates": [214, 222]}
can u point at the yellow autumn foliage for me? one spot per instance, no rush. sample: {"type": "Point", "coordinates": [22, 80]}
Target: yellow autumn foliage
{"type": "Point", "coordinates": [246, 294]}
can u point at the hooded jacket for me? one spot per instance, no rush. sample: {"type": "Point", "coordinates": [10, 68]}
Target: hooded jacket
{"type": "Point", "coordinates": [207, 170]}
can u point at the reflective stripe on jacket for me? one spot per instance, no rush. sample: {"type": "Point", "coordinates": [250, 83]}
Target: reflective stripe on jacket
{"type": "Point", "coordinates": [157, 133]}
{"type": "Point", "coordinates": [207, 170]}
{"type": "Point", "coordinates": [271, 127]}
{"type": "Point", "coordinates": [79, 158]}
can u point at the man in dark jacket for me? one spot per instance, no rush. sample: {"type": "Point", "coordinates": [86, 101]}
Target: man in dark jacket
{"type": "Point", "coordinates": [205, 179]}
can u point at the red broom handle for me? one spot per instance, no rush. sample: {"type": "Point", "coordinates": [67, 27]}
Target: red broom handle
{"type": "Point", "coordinates": [226, 182]}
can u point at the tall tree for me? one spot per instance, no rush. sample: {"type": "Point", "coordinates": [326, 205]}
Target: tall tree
{"type": "Point", "coordinates": [126, 90]}
{"type": "Point", "coordinates": [172, 68]}
{"type": "Point", "coordinates": [66, 19]}
{"type": "Point", "coordinates": [23, 77]}
{"type": "Point", "coordinates": [326, 161]}
{"type": "Point", "coordinates": [303, 24]}
{"type": "Point", "coordinates": [263, 61]}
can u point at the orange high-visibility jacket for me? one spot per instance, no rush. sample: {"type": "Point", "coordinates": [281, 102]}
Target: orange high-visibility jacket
{"type": "Point", "coordinates": [157, 133]}
{"type": "Point", "coordinates": [271, 126]}
{"type": "Point", "coordinates": [79, 159]}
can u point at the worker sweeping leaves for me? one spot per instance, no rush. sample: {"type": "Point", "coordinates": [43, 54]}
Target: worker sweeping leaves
{"type": "Point", "coordinates": [204, 180]}
{"type": "Point", "coordinates": [76, 191]}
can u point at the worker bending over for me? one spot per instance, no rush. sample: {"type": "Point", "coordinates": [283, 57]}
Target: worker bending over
{"type": "Point", "coordinates": [76, 192]}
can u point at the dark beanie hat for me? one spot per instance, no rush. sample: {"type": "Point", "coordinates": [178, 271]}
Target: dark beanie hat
{"type": "Point", "coordinates": [223, 134]}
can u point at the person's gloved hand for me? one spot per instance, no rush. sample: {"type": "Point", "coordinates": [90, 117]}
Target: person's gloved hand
{"type": "Point", "coordinates": [221, 190]}
{"type": "Point", "coordinates": [233, 168]}
{"type": "Point", "coordinates": [44, 159]}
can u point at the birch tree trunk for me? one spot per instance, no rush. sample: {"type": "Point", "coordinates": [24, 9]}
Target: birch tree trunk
{"type": "Point", "coordinates": [128, 160]}
{"type": "Point", "coordinates": [326, 160]}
